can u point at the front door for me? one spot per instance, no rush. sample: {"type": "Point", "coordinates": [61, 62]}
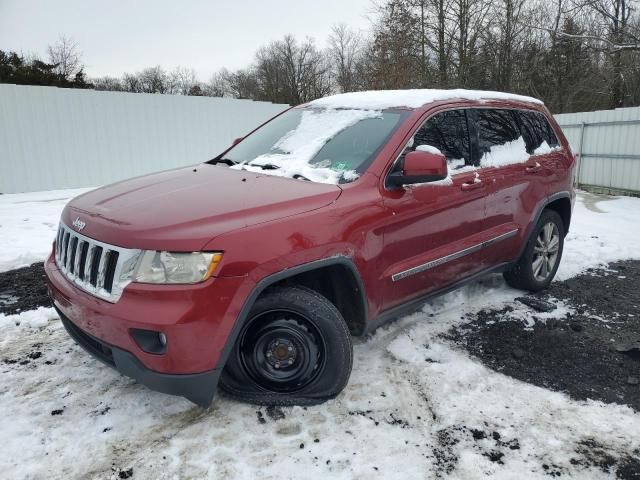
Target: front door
{"type": "Point", "coordinates": [434, 232]}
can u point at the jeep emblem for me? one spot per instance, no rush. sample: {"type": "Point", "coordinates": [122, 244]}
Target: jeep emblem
{"type": "Point", "coordinates": [79, 224]}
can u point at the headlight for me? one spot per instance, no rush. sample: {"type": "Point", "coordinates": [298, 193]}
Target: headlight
{"type": "Point", "coordinates": [170, 267]}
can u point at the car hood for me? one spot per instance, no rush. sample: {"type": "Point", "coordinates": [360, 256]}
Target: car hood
{"type": "Point", "coordinates": [183, 209]}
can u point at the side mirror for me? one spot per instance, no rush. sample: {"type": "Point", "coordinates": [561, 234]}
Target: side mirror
{"type": "Point", "coordinates": [237, 141]}
{"type": "Point", "coordinates": [420, 167]}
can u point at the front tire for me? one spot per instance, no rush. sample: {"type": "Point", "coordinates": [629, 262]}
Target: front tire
{"type": "Point", "coordinates": [294, 349]}
{"type": "Point", "coordinates": [539, 262]}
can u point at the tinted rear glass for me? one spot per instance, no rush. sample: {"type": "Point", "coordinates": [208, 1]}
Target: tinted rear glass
{"type": "Point", "coordinates": [536, 130]}
{"type": "Point", "coordinates": [495, 128]}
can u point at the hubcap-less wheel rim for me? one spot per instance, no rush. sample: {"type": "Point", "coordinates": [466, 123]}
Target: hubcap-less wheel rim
{"type": "Point", "coordinates": [281, 351]}
{"type": "Point", "coordinates": [545, 252]}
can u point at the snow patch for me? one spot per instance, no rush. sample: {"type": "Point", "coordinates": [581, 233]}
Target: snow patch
{"type": "Point", "coordinates": [31, 319]}
{"type": "Point", "coordinates": [544, 148]}
{"type": "Point", "coordinates": [28, 225]}
{"type": "Point", "coordinates": [427, 148]}
{"type": "Point", "coordinates": [412, 98]}
{"type": "Point", "coordinates": [506, 154]}
{"type": "Point", "coordinates": [603, 229]}
{"type": "Point", "coordinates": [300, 146]}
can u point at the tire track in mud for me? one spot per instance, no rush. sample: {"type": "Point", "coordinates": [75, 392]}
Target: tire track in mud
{"type": "Point", "coordinates": [40, 361]}
{"type": "Point", "coordinates": [128, 455]}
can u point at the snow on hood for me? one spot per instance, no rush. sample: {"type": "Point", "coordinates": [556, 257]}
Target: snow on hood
{"type": "Point", "coordinates": [382, 99]}
{"type": "Point", "coordinates": [300, 146]}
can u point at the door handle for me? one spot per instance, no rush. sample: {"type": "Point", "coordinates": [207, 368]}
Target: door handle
{"type": "Point", "coordinates": [534, 168]}
{"type": "Point", "coordinates": [471, 185]}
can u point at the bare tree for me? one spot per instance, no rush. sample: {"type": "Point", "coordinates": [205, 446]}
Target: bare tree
{"type": "Point", "coordinates": [508, 14]}
{"type": "Point", "coordinates": [345, 53]}
{"type": "Point", "coordinates": [609, 31]}
{"type": "Point", "coordinates": [108, 83]}
{"type": "Point", "coordinates": [218, 86]}
{"type": "Point", "coordinates": [574, 54]}
{"type": "Point", "coordinates": [66, 58]}
{"type": "Point", "coordinates": [181, 81]}
{"type": "Point", "coordinates": [470, 20]}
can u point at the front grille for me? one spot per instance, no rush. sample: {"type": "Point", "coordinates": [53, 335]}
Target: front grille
{"type": "Point", "coordinates": [93, 266]}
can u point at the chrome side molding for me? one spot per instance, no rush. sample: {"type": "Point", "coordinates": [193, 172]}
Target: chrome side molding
{"type": "Point", "coordinates": [451, 257]}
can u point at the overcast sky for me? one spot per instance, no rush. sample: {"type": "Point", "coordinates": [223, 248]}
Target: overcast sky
{"type": "Point", "coordinates": [117, 36]}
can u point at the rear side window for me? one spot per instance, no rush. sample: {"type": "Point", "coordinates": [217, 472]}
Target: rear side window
{"type": "Point", "coordinates": [449, 133]}
{"type": "Point", "coordinates": [498, 135]}
{"type": "Point", "coordinates": [536, 130]}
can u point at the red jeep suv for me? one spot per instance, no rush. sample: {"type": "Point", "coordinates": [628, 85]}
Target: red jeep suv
{"type": "Point", "coordinates": [254, 269]}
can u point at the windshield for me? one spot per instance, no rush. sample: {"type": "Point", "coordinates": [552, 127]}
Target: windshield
{"type": "Point", "coordinates": [320, 145]}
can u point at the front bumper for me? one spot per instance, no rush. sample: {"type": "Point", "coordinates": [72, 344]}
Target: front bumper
{"type": "Point", "coordinates": [196, 319]}
{"type": "Point", "coordinates": [200, 388]}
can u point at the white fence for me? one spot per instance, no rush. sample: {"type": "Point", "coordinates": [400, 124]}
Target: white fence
{"type": "Point", "coordinates": [52, 138]}
{"type": "Point", "coordinates": [608, 144]}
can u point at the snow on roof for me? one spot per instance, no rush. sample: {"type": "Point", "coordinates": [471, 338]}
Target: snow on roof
{"type": "Point", "coordinates": [381, 99]}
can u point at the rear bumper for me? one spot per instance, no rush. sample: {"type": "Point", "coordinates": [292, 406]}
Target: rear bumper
{"type": "Point", "coordinates": [199, 388]}
{"type": "Point", "coordinates": [196, 320]}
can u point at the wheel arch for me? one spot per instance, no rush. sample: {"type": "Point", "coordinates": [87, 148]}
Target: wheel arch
{"type": "Point", "coordinates": [562, 205]}
{"type": "Point", "coordinates": [559, 202]}
{"type": "Point", "coordinates": [300, 275]}
{"type": "Point", "coordinates": [338, 280]}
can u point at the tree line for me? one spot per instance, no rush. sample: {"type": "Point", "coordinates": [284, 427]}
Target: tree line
{"type": "Point", "coordinates": [576, 55]}
{"type": "Point", "coordinates": [62, 68]}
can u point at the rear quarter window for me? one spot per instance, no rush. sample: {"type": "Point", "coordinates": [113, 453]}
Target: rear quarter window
{"type": "Point", "coordinates": [536, 130]}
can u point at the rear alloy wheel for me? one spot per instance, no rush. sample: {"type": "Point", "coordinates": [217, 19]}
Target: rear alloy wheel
{"type": "Point", "coordinates": [545, 252]}
{"type": "Point", "coordinates": [294, 349]}
{"type": "Point", "coordinates": [539, 262]}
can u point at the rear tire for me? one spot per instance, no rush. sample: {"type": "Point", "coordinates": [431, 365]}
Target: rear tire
{"type": "Point", "coordinates": [294, 349]}
{"type": "Point", "coordinates": [539, 262]}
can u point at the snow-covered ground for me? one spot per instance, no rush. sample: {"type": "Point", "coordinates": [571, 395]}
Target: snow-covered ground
{"type": "Point", "coordinates": [413, 407]}
{"type": "Point", "coordinates": [28, 225]}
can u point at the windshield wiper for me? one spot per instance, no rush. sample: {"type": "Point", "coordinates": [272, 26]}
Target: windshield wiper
{"type": "Point", "coordinates": [226, 161]}
{"type": "Point", "coordinates": [264, 166]}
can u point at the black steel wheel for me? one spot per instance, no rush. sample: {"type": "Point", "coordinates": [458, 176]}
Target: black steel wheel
{"type": "Point", "coordinates": [281, 350]}
{"type": "Point", "coordinates": [294, 349]}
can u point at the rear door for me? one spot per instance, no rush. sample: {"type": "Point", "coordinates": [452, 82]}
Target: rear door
{"type": "Point", "coordinates": [432, 234]}
{"type": "Point", "coordinates": [544, 148]}
{"type": "Point", "coordinates": [519, 168]}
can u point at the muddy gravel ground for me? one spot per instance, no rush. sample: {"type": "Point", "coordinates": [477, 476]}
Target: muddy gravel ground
{"type": "Point", "coordinates": [594, 355]}
{"type": "Point", "coordinates": [23, 289]}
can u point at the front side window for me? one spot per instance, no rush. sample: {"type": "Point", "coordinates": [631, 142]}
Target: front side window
{"type": "Point", "coordinates": [448, 132]}
{"type": "Point", "coordinates": [321, 145]}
